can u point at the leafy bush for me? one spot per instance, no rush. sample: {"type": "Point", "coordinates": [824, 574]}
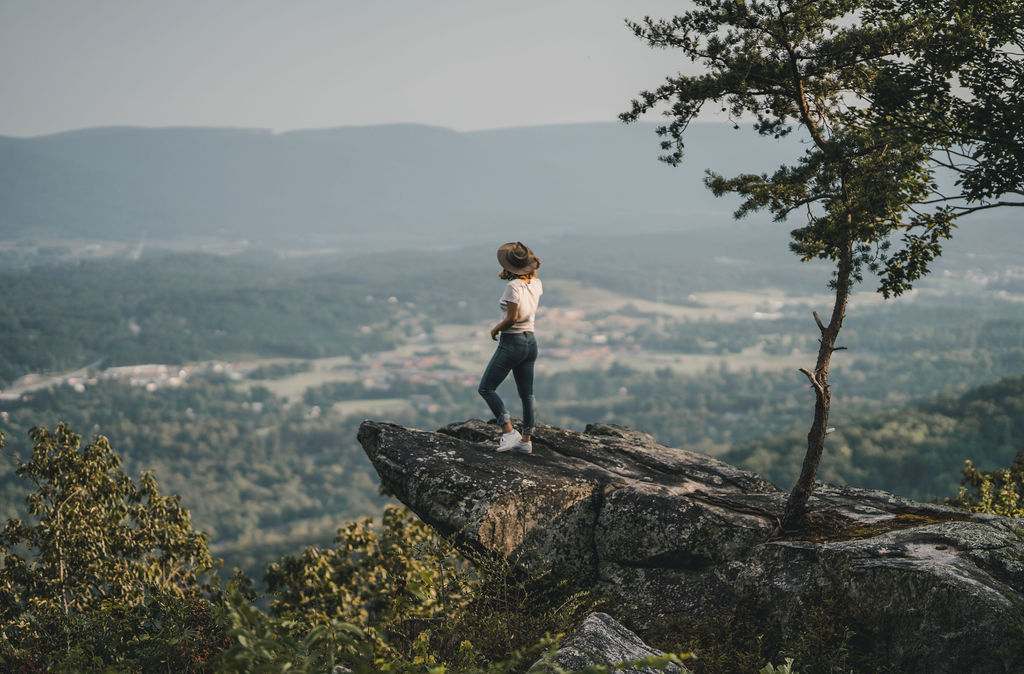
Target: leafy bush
{"type": "Point", "coordinates": [999, 492]}
{"type": "Point", "coordinates": [389, 582]}
{"type": "Point", "coordinates": [417, 600]}
{"type": "Point", "coordinates": [264, 644]}
{"type": "Point", "coordinates": [161, 633]}
{"type": "Point", "coordinates": [108, 573]}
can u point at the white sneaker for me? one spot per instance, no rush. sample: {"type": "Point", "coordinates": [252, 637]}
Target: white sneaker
{"type": "Point", "coordinates": [509, 440]}
{"type": "Point", "coordinates": [523, 447]}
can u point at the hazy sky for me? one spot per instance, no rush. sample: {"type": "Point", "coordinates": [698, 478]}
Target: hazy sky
{"type": "Point", "coordinates": [464, 64]}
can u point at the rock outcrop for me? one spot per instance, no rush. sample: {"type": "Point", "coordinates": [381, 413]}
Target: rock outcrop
{"type": "Point", "coordinates": [670, 535]}
{"type": "Point", "coordinates": [602, 640]}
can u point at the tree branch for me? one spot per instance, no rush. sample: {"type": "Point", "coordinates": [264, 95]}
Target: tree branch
{"type": "Point", "coordinates": [814, 381]}
{"type": "Point", "coordinates": [817, 319]}
{"type": "Point", "coordinates": [799, 95]}
{"type": "Point", "coordinates": [965, 210]}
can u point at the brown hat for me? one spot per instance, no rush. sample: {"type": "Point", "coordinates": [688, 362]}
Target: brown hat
{"type": "Point", "coordinates": [517, 258]}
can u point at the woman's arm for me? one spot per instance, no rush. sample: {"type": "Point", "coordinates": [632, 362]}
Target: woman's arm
{"type": "Point", "coordinates": [511, 313]}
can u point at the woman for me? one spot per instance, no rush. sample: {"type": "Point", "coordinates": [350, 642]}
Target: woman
{"type": "Point", "coordinates": [517, 348]}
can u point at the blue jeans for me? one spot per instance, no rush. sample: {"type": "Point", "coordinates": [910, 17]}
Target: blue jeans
{"type": "Point", "coordinates": [516, 353]}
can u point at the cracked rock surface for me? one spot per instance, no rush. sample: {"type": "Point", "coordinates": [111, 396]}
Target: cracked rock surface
{"type": "Point", "coordinates": [665, 532]}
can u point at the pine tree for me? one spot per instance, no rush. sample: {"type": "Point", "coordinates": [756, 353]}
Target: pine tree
{"type": "Point", "coordinates": [887, 95]}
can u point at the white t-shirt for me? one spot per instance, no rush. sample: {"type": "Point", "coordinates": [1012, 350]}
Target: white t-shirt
{"type": "Point", "coordinates": [527, 297]}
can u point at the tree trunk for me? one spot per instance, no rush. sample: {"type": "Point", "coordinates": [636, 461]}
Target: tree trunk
{"type": "Point", "coordinates": [796, 505]}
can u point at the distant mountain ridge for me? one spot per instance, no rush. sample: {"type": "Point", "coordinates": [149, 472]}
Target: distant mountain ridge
{"type": "Point", "coordinates": [363, 185]}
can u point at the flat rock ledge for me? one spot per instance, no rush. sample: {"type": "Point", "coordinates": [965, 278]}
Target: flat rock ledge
{"type": "Point", "coordinates": [671, 535]}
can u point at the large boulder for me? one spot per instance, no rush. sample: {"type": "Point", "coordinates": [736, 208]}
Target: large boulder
{"type": "Point", "coordinates": [671, 535]}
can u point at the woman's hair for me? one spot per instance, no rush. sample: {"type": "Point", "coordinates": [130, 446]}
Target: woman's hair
{"type": "Point", "coordinates": [506, 275]}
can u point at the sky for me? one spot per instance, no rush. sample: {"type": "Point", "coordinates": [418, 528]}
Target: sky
{"type": "Point", "coordinates": [296, 64]}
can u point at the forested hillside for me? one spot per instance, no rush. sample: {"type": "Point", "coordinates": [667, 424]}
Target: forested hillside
{"type": "Point", "coordinates": [174, 307]}
{"type": "Point", "coordinates": [260, 477]}
{"type": "Point", "coordinates": [65, 311]}
{"type": "Point", "coordinates": [917, 451]}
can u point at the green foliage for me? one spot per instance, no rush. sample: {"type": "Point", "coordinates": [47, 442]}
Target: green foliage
{"type": "Point", "coordinates": [162, 633]}
{"type": "Point", "coordinates": [998, 492]}
{"type": "Point", "coordinates": [97, 535]}
{"type": "Point", "coordinates": [263, 644]}
{"type": "Point", "coordinates": [786, 668]}
{"type": "Point", "coordinates": [510, 607]}
{"type": "Point", "coordinates": [878, 125]}
{"type": "Point", "coordinates": [261, 476]}
{"type": "Point", "coordinates": [381, 581]}
{"type": "Point", "coordinates": [412, 610]}
{"type": "Point", "coordinates": [272, 644]}
{"type": "Point", "coordinates": [416, 599]}
{"type": "Point", "coordinates": [975, 45]}
{"type": "Point", "coordinates": [268, 644]}
{"type": "Point", "coordinates": [808, 65]}
{"type": "Point", "coordinates": [656, 663]}
{"type": "Point", "coordinates": [106, 571]}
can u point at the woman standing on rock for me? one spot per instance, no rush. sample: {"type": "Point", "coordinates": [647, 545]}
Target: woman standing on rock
{"type": "Point", "coordinates": [517, 348]}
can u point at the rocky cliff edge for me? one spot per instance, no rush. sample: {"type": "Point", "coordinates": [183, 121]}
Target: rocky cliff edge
{"type": "Point", "coordinates": [671, 536]}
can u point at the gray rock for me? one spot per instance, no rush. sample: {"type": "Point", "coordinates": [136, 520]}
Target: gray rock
{"type": "Point", "coordinates": [666, 533]}
{"type": "Point", "coordinates": [602, 640]}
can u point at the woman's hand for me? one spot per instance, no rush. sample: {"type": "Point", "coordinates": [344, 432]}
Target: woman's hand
{"type": "Point", "coordinates": [511, 313]}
